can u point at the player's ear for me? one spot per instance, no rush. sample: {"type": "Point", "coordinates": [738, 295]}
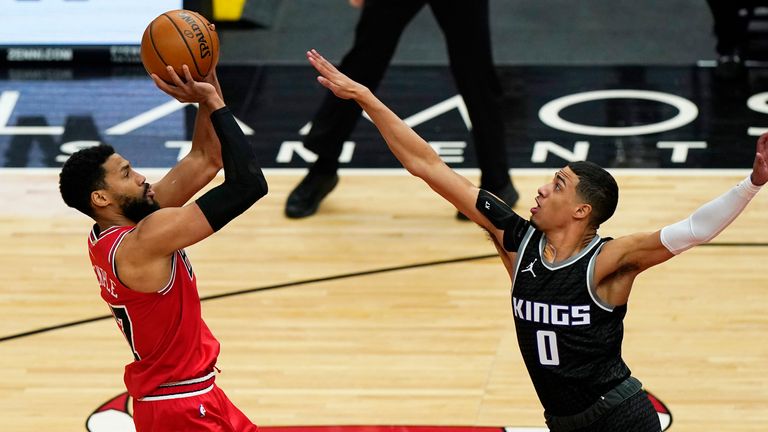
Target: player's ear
{"type": "Point", "coordinates": [99, 198]}
{"type": "Point", "coordinates": [583, 211]}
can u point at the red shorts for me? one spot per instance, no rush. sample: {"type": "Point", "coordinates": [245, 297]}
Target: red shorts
{"type": "Point", "coordinates": [210, 411]}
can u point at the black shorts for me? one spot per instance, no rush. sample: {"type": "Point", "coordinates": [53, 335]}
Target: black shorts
{"type": "Point", "coordinates": [635, 414]}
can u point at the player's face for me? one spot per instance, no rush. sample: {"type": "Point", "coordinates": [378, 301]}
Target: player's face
{"type": "Point", "coordinates": [556, 201]}
{"type": "Point", "coordinates": [130, 189]}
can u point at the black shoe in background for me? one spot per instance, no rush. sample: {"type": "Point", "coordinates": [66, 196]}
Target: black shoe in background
{"type": "Point", "coordinates": [304, 200]}
{"type": "Point", "coordinates": [509, 195]}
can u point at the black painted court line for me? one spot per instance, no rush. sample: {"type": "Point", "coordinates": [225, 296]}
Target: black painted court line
{"type": "Point", "coordinates": [735, 244]}
{"type": "Point", "coordinates": [266, 288]}
{"type": "Point", "coordinates": [316, 280]}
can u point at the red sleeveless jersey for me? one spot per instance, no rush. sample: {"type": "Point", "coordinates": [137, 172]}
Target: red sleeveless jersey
{"type": "Point", "coordinates": [165, 330]}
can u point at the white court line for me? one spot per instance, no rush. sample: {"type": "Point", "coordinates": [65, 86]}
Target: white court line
{"type": "Point", "coordinates": [34, 191]}
{"type": "Point", "coordinates": [649, 172]}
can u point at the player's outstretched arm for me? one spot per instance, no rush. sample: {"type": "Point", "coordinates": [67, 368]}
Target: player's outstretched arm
{"type": "Point", "coordinates": [713, 217]}
{"type": "Point", "coordinates": [632, 254]}
{"type": "Point", "coordinates": [415, 154]}
{"type": "Point", "coordinates": [203, 161]}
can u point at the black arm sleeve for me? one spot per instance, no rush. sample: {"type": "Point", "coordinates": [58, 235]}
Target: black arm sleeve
{"type": "Point", "coordinates": [244, 183]}
{"type": "Point", "coordinates": [503, 217]}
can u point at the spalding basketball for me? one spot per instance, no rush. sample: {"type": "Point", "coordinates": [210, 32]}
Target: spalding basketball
{"type": "Point", "coordinates": [176, 38]}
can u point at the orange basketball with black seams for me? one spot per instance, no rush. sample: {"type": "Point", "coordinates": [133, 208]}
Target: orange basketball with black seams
{"type": "Point", "coordinates": [176, 38]}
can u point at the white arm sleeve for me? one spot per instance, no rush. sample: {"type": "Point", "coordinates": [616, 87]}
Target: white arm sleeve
{"type": "Point", "coordinates": [709, 220]}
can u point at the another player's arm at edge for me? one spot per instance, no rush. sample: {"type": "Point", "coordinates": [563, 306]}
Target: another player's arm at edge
{"type": "Point", "coordinates": [143, 256]}
{"type": "Point", "coordinates": [413, 152]}
{"type": "Point", "coordinates": [624, 258]}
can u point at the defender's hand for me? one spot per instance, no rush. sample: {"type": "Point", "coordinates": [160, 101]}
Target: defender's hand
{"type": "Point", "coordinates": [330, 77]}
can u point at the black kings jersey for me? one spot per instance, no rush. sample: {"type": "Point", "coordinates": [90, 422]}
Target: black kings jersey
{"type": "Point", "coordinates": [569, 339]}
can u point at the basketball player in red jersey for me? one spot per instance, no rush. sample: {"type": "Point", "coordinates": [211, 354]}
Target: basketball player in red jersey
{"type": "Point", "coordinates": [136, 248]}
{"type": "Point", "coordinates": [570, 286]}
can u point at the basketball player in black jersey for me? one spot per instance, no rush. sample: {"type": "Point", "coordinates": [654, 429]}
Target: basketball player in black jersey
{"type": "Point", "coordinates": [570, 286]}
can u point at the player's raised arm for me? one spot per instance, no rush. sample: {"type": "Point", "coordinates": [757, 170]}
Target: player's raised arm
{"type": "Point", "coordinates": [712, 218]}
{"type": "Point", "coordinates": [416, 155]}
{"type": "Point", "coordinates": [160, 234]}
{"type": "Point", "coordinates": [638, 252]}
{"type": "Point", "coordinates": [203, 161]}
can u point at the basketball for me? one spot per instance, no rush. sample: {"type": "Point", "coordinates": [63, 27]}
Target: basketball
{"type": "Point", "coordinates": [176, 38]}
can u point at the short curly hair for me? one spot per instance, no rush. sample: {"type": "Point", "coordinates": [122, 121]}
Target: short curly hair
{"type": "Point", "coordinates": [82, 174]}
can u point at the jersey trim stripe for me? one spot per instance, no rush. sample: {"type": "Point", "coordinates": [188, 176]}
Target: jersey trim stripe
{"type": "Point", "coordinates": [591, 288]}
{"type": "Point", "coordinates": [190, 381]}
{"type": "Point", "coordinates": [95, 236]}
{"type": "Point", "coordinates": [113, 251]}
{"type": "Point", "coordinates": [177, 395]}
{"type": "Point", "coordinates": [167, 288]}
{"type": "Point", "coordinates": [182, 389]}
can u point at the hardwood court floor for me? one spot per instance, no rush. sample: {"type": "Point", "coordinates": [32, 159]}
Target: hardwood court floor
{"type": "Point", "coordinates": [426, 345]}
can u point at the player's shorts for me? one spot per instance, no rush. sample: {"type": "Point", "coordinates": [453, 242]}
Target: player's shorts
{"type": "Point", "coordinates": [625, 408]}
{"type": "Point", "coordinates": [209, 411]}
{"type": "Point", "coordinates": [635, 414]}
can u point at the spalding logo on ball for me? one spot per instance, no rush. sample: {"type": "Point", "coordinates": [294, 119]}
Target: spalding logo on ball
{"type": "Point", "coordinates": [176, 38]}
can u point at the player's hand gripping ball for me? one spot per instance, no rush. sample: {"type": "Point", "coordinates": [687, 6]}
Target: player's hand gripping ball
{"type": "Point", "coordinates": [176, 38]}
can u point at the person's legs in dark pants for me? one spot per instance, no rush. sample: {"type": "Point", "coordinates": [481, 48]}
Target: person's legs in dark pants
{"type": "Point", "coordinates": [467, 34]}
{"type": "Point", "coordinates": [376, 36]}
{"type": "Point", "coordinates": [730, 28]}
